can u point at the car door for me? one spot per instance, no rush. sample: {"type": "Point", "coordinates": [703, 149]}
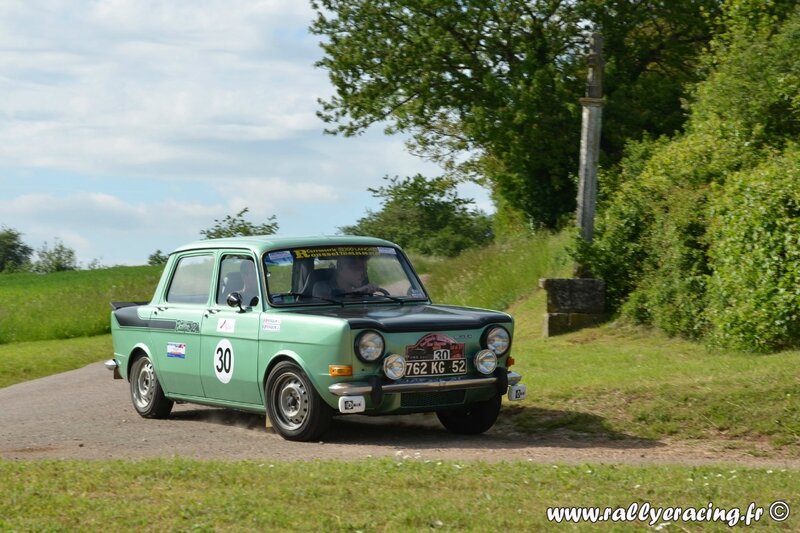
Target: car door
{"type": "Point", "coordinates": [175, 324]}
{"type": "Point", "coordinates": [229, 361]}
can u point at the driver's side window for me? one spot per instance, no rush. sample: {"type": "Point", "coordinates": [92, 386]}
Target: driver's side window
{"type": "Point", "coordinates": [237, 273]}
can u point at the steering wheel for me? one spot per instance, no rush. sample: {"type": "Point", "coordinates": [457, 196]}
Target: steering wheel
{"type": "Point", "coordinates": [382, 291]}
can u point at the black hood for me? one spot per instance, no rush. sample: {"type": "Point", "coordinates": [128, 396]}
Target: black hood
{"type": "Point", "coordinates": [406, 318]}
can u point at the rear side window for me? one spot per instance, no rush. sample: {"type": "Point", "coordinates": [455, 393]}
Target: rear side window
{"type": "Point", "coordinates": [192, 280]}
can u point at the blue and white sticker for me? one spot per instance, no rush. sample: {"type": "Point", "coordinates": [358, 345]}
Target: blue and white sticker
{"type": "Point", "coordinates": [272, 323]}
{"type": "Point", "coordinates": [223, 361]}
{"type": "Point", "coordinates": [385, 250]}
{"type": "Point", "coordinates": [283, 256]}
{"type": "Point", "coordinates": [176, 350]}
{"type": "Point", "coordinates": [226, 325]}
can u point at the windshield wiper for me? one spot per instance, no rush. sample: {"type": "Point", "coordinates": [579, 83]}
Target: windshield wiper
{"type": "Point", "coordinates": [401, 301]}
{"type": "Point", "coordinates": [371, 295]}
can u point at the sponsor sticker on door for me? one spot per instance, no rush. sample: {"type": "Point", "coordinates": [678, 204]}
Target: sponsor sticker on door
{"type": "Point", "coordinates": [176, 350]}
{"type": "Point", "coordinates": [226, 325]}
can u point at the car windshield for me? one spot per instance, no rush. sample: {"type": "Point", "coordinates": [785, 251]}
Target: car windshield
{"type": "Point", "coordinates": [340, 275]}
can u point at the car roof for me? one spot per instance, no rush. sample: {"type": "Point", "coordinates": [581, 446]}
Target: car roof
{"type": "Point", "coordinates": [262, 243]}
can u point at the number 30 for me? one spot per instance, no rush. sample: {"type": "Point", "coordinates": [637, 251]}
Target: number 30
{"type": "Point", "coordinates": [223, 360]}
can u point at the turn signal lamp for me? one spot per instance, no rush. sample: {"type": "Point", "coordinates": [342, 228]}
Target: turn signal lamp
{"type": "Point", "coordinates": [340, 371]}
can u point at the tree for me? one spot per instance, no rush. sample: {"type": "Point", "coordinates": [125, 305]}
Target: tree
{"type": "Point", "coordinates": [426, 216]}
{"type": "Point", "coordinates": [15, 255]}
{"type": "Point", "coordinates": [236, 226]}
{"type": "Point", "coordinates": [58, 259]}
{"type": "Point", "coordinates": [157, 258]}
{"type": "Point", "coordinates": [489, 88]}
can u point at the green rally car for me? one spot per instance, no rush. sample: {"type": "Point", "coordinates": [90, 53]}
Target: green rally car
{"type": "Point", "coordinates": [307, 328]}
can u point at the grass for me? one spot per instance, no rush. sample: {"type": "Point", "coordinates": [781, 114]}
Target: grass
{"type": "Point", "coordinates": [625, 381]}
{"type": "Point", "coordinates": [65, 305]}
{"type": "Point", "coordinates": [498, 275]}
{"type": "Point", "coordinates": [367, 495]}
{"type": "Point", "coordinates": [23, 361]}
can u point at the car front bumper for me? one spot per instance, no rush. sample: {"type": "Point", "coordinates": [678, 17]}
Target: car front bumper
{"type": "Point", "coordinates": [431, 385]}
{"type": "Point", "coordinates": [352, 396]}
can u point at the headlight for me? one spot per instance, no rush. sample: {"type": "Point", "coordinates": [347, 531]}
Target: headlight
{"type": "Point", "coordinates": [369, 346]}
{"type": "Point", "coordinates": [485, 361]}
{"type": "Point", "coordinates": [394, 366]}
{"type": "Point", "coordinates": [497, 340]}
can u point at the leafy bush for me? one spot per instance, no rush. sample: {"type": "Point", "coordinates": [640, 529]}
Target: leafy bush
{"type": "Point", "coordinates": [662, 262]}
{"type": "Point", "coordinates": [754, 293]}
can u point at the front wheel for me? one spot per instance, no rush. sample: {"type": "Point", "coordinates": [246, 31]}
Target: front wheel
{"type": "Point", "coordinates": [146, 392]}
{"type": "Point", "coordinates": [471, 419]}
{"type": "Point", "coordinates": [294, 408]}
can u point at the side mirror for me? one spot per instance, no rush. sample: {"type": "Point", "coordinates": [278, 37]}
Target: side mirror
{"type": "Point", "coordinates": [235, 300]}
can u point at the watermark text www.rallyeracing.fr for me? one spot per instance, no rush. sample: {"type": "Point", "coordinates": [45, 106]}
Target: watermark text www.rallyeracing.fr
{"type": "Point", "coordinates": [778, 511]}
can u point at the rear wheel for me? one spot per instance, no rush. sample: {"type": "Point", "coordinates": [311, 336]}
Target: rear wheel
{"type": "Point", "coordinates": [471, 419]}
{"type": "Point", "coordinates": [146, 392]}
{"type": "Point", "coordinates": [294, 408]}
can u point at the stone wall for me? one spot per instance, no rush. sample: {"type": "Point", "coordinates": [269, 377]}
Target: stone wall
{"type": "Point", "coordinates": [573, 304]}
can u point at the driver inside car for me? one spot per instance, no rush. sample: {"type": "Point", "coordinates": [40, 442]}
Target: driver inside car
{"type": "Point", "coordinates": [350, 278]}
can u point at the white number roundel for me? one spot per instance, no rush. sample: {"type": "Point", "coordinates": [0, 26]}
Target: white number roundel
{"type": "Point", "coordinates": [223, 361]}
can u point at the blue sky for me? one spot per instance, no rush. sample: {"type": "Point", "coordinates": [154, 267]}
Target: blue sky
{"type": "Point", "coordinates": [128, 126]}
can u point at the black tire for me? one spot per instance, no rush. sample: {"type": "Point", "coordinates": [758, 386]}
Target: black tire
{"type": "Point", "coordinates": [294, 408]}
{"type": "Point", "coordinates": [146, 392]}
{"type": "Point", "coordinates": [472, 419]}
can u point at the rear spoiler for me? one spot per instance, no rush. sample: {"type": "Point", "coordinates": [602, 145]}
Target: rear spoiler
{"type": "Point", "coordinates": [120, 305]}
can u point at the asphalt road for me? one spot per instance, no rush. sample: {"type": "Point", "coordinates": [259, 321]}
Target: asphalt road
{"type": "Point", "coordinates": [85, 414]}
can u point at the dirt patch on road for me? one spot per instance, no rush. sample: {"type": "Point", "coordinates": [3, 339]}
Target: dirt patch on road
{"type": "Point", "coordinates": [84, 414]}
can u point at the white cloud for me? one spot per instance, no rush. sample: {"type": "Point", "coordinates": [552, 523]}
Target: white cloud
{"type": "Point", "coordinates": [129, 125]}
{"type": "Point", "coordinates": [123, 84]}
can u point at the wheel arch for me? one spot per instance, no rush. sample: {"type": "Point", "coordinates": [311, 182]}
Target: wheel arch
{"type": "Point", "coordinates": [283, 355]}
{"type": "Point", "coordinates": [138, 351]}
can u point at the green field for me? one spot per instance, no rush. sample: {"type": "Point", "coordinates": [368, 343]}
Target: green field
{"type": "Point", "coordinates": [30, 360]}
{"type": "Point", "coordinates": [369, 495]}
{"type": "Point", "coordinates": [64, 305]}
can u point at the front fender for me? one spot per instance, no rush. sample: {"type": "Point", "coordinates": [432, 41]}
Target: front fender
{"type": "Point", "coordinates": [321, 381]}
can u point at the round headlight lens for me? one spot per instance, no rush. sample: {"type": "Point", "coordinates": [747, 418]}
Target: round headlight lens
{"type": "Point", "coordinates": [369, 346]}
{"type": "Point", "coordinates": [497, 340]}
{"type": "Point", "coordinates": [485, 361]}
{"type": "Point", "coordinates": [394, 366]}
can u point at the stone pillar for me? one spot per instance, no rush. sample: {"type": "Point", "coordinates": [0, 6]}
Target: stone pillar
{"type": "Point", "coordinates": [590, 147]}
{"type": "Point", "coordinates": [573, 304]}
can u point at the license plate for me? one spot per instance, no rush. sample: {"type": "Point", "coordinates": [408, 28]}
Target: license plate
{"type": "Point", "coordinates": [436, 368]}
{"type": "Point", "coordinates": [435, 354]}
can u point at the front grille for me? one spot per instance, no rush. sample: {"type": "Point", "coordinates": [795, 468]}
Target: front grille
{"type": "Point", "coordinates": [432, 399]}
